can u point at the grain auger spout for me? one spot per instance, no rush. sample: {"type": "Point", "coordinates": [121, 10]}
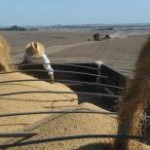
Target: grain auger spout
{"type": "Point", "coordinates": [131, 112]}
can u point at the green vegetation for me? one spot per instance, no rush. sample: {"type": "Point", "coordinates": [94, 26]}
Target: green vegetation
{"type": "Point", "coordinates": [17, 28]}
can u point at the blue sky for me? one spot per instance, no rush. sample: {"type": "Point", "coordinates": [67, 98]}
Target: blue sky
{"type": "Point", "coordinates": [68, 12]}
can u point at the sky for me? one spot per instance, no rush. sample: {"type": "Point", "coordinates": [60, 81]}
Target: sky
{"type": "Point", "coordinates": [73, 12]}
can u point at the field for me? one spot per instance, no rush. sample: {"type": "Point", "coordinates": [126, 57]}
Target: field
{"type": "Point", "coordinates": [67, 46]}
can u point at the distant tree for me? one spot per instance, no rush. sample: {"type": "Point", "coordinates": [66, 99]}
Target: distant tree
{"type": "Point", "coordinates": [14, 27]}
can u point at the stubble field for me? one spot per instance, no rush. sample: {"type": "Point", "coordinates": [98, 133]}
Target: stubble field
{"type": "Point", "coordinates": [77, 46]}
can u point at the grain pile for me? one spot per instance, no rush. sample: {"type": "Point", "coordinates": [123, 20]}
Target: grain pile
{"type": "Point", "coordinates": [13, 98]}
{"type": "Point", "coordinates": [66, 124]}
{"type": "Point", "coordinates": [17, 96]}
